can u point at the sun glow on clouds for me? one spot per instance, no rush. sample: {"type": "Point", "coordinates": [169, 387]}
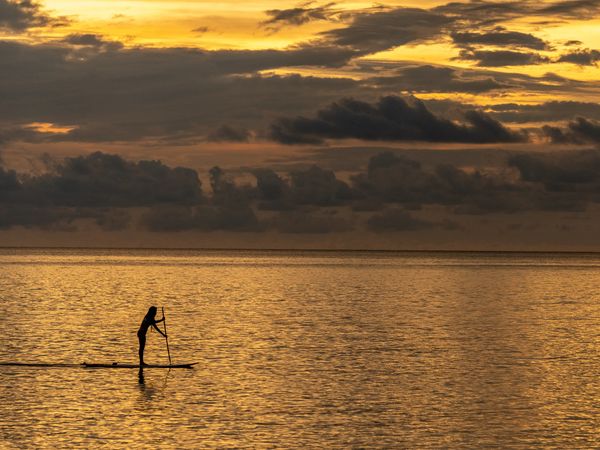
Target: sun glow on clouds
{"type": "Point", "coordinates": [49, 128]}
{"type": "Point", "coordinates": [225, 25]}
{"type": "Point", "coordinates": [240, 26]}
{"type": "Point", "coordinates": [371, 49]}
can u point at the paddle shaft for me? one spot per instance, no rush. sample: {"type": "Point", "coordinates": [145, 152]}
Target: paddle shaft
{"type": "Point", "coordinates": [166, 335]}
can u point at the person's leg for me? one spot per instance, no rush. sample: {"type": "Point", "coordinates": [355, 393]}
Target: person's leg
{"type": "Point", "coordinates": [142, 340]}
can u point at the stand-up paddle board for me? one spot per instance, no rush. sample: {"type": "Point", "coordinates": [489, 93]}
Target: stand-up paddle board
{"type": "Point", "coordinates": [102, 366]}
{"type": "Point", "coordinates": [137, 366]}
{"type": "Point", "coordinates": [20, 364]}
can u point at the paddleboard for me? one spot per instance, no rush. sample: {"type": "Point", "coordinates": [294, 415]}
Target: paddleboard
{"type": "Point", "coordinates": [137, 366]}
{"type": "Point", "coordinates": [19, 364]}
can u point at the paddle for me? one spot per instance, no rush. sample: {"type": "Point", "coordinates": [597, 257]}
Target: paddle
{"type": "Point", "coordinates": [166, 335]}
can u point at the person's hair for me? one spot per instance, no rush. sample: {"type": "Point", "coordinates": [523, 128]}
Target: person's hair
{"type": "Point", "coordinates": [152, 311]}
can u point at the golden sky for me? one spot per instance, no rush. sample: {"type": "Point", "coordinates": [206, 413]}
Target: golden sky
{"type": "Point", "coordinates": [234, 24]}
{"type": "Point", "coordinates": [237, 25]}
{"type": "Point", "coordinates": [456, 89]}
{"type": "Point", "coordinates": [523, 52]}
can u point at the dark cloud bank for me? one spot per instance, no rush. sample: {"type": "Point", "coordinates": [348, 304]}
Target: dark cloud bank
{"type": "Point", "coordinates": [391, 119]}
{"type": "Point", "coordinates": [388, 196]}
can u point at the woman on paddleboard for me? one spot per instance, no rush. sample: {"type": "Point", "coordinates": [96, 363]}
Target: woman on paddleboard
{"type": "Point", "coordinates": [149, 320]}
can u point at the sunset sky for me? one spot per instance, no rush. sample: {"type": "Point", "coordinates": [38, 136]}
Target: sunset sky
{"type": "Point", "coordinates": [488, 112]}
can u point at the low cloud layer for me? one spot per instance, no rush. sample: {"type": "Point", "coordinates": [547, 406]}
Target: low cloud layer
{"type": "Point", "coordinates": [577, 172]}
{"type": "Point", "coordinates": [386, 197]}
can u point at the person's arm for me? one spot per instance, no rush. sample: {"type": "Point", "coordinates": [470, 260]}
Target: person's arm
{"type": "Point", "coordinates": [158, 329]}
{"type": "Point", "coordinates": [161, 320]}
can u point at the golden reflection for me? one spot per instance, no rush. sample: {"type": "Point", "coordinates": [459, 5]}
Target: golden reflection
{"type": "Point", "coordinates": [303, 349]}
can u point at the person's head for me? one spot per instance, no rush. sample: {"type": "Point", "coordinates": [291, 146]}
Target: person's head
{"type": "Point", "coordinates": [151, 312]}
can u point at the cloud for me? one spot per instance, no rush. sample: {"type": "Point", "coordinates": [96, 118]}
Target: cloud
{"type": "Point", "coordinates": [373, 32]}
{"type": "Point", "coordinates": [484, 12]}
{"type": "Point", "coordinates": [383, 28]}
{"type": "Point", "coordinates": [9, 184]}
{"type": "Point", "coordinates": [578, 131]}
{"type": "Point", "coordinates": [19, 15]}
{"type": "Point", "coordinates": [572, 9]}
{"type": "Point", "coordinates": [562, 172]}
{"type": "Point", "coordinates": [586, 129]}
{"type": "Point", "coordinates": [225, 192]}
{"type": "Point", "coordinates": [412, 77]}
{"type": "Point", "coordinates": [101, 186]}
{"type": "Point", "coordinates": [272, 191]}
{"type": "Point", "coordinates": [557, 135]}
{"type": "Point", "coordinates": [499, 37]}
{"type": "Point", "coordinates": [544, 112]}
{"type": "Point", "coordinates": [140, 93]}
{"type": "Point", "coordinates": [13, 132]}
{"type": "Point", "coordinates": [316, 186]}
{"type": "Point", "coordinates": [96, 41]}
{"type": "Point", "coordinates": [244, 61]}
{"type": "Point", "coordinates": [391, 119]}
{"type": "Point", "coordinates": [226, 133]}
{"type": "Point", "coordinates": [269, 184]}
{"type": "Point", "coordinates": [179, 95]}
{"type": "Point", "coordinates": [396, 179]}
{"type": "Point", "coordinates": [102, 180]}
{"type": "Point", "coordinates": [64, 218]}
{"type": "Point", "coordinates": [428, 78]}
{"type": "Point", "coordinates": [581, 57]}
{"type": "Point", "coordinates": [311, 186]}
{"type": "Point", "coordinates": [312, 200]}
{"type": "Point", "coordinates": [29, 216]}
{"type": "Point", "coordinates": [502, 58]}
{"type": "Point", "coordinates": [300, 15]}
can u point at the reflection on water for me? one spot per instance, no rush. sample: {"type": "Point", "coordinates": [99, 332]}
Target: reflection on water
{"type": "Point", "coordinates": [330, 350]}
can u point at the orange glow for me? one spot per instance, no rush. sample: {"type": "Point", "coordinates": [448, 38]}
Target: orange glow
{"type": "Point", "coordinates": [237, 25]}
{"type": "Point", "coordinates": [51, 128]}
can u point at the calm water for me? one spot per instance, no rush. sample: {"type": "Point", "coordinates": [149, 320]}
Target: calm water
{"type": "Point", "coordinates": [302, 350]}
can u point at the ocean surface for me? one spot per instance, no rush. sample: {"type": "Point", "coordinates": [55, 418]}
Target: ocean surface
{"type": "Point", "coordinates": [301, 350]}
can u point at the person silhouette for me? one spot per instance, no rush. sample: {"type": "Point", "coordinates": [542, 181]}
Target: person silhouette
{"type": "Point", "coordinates": [149, 320]}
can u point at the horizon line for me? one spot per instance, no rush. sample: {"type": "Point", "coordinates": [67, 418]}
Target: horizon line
{"type": "Point", "coordinates": [307, 250]}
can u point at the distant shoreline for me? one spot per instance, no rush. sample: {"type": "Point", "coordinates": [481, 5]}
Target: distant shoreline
{"type": "Point", "coordinates": [304, 250]}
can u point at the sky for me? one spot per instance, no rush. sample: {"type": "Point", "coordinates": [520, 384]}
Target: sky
{"type": "Point", "coordinates": [466, 125]}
